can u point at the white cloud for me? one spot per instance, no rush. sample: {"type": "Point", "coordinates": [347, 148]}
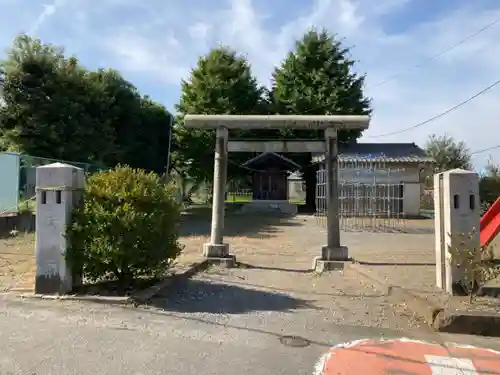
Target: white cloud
{"type": "Point", "coordinates": [199, 31]}
{"type": "Point", "coordinates": [161, 42]}
{"type": "Point", "coordinates": [47, 12]}
{"type": "Point", "coordinates": [137, 53]}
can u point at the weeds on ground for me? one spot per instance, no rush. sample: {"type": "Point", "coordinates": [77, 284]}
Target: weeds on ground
{"type": "Point", "coordinates": [477, 263]}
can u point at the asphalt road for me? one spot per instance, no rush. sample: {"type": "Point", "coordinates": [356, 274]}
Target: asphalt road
{"type": "Point", "coordinates": [43, 337]}
{"type": "Point", "coordinates": [209, 326]}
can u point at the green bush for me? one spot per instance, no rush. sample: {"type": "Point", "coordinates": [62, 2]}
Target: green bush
{"type": "Point", "coordinates": [125, 228]}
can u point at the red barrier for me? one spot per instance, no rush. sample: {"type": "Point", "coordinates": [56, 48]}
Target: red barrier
{"type": "Point", "coordinates": [404, 356]}
{"type": "Point", "coordinates": [490, 224]}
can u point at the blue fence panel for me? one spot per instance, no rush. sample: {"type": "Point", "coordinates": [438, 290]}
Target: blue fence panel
{"type": "Point", "coordinates": [9, 185]}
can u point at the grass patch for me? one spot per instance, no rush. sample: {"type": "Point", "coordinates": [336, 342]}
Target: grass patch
{"type": "Point", "coordinates": [233, 198]}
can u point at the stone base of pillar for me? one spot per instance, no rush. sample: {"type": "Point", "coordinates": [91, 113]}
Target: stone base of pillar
{"type": "Point", "coordinates": [224, 262]}
{"type": "Point", "coordinates": [51, 284]}
{"type": "Point", "coordinates": [338, 253]}
{"type": "Point", "coordinates": [218, 254]}
{"type": "Point", "coordinates": [212, 250]}
{"type": "Point", "coordinates": [331, 259]}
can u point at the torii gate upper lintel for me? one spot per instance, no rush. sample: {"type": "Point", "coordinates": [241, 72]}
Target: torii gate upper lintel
{"type": "Point", "coordinates": [332, 254]}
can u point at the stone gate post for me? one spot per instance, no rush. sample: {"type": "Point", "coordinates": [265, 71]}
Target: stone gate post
{"type": "Point", "coordinates": [456, 217]}
{"type": "Point", "coordinates": [217, 250]}
{"type": "Point", "coordinates": [58, 188]}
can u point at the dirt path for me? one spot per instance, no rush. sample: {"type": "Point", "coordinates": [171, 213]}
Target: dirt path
{"type": "Point", "coordinates": [17, 262]}
{"type": "Point", "coordinates": [274, 282]}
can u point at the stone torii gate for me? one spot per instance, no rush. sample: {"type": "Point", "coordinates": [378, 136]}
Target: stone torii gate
{"type": "Point", "coordinates": [332, 254]}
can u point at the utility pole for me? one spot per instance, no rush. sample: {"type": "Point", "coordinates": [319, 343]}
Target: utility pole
{"type": "Point", "coordinates": [167, 167]}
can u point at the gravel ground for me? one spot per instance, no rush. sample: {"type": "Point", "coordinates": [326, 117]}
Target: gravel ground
{"type": "Point", "coordinates": [281, 251]}
{"type": "Point", "coordinates": [274, 285]}
{"type": "Point", "coordinates": [282, 298]}
{"type": "Point", "coordinates": [17, 261]}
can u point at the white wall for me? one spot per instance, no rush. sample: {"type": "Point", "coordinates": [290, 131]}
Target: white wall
{"type": "Point", "coordinates": [408, 175]}
{"type": "Point", "coordinates": [381, 176]}
{"type": "Point", "coordinates": [411, 199]}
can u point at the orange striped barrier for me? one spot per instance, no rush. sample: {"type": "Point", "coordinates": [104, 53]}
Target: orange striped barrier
{"type": "Point", "coordinates": [407, 357]}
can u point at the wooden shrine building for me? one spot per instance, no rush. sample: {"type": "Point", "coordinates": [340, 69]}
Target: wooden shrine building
{"type": "Point", "coordinates": [269, 173]}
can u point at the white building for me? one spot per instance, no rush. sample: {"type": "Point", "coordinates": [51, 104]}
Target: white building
{"type": "Point", "coordinates": [379, 178]}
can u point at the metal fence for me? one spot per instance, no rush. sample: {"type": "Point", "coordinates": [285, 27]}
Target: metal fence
{"type": "Point", "coordinates": [27, 175]}
{"type": "Point", "coordinates": [369, 198]}
{"type": "Point", "coordinates": [17, 188]}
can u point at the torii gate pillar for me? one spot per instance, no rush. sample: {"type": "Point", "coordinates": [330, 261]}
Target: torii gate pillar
{"type": "Point", "coordinates": [216, 249]}
{"type": "Point", "coordinates": [333, 255]}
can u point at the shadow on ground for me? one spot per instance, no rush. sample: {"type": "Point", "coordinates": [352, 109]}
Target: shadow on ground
{"type": "Point", "coordinates": [365, 263]}
{"type": "Point", "coordinates": [199, 296]}
{"type": "Point", "coordinates": [215, 275]}
{"type": "Point", "coordinates": [253, 225]}
{"type": "Point", "coordinates": [271, 268]}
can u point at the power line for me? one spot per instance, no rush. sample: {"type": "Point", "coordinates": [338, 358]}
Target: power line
{"type": "Point", "coordinates": [483, 91]}
{"type": "Point", "coordinates": [485, 150]}
{"type": "Point", "coordinates": [433, 57]}
{"type": "Point", "coordinates": [439, 54]}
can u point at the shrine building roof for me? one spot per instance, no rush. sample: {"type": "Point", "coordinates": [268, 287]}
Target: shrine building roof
{"type": "Point", "coordinates": [271, 160]}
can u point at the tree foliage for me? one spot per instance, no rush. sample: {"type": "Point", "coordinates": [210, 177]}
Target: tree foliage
{"type": "Point", "coordinates": [317, 78]}
{"type": "Point", "coordinates": [448, 153]}
{"type": "Point", "coordinates": [55, 108]}
{"type": "Point", "coordinates": [45, 97]}
{"type": "Point", "coordinates": [489, 185]}
{"type": "Point", "coordinates": [126, 226]}
{"type": "Point", "coordinates": [221, 83]}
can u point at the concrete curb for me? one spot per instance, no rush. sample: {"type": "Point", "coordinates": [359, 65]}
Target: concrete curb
{"type": "Point", "coordinates": [97, 299]}
{"type": "Point", "coordinates": [468, 322]}
{"type": "Point", "coordinates": [145, 295]}
{"type": "Point", "coordinates": [437, 317]}
{"type": "Point", "coordinates": [138, 298]}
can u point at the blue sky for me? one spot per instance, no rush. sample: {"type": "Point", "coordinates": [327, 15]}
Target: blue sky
{"type": "Point", "coordinates": [155, 44]}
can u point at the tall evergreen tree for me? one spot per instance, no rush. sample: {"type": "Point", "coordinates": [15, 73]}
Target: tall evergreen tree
{"type": "Point", "coordinates": [222, 83]}
{"type": "Point", "coordinates": [317, 78]}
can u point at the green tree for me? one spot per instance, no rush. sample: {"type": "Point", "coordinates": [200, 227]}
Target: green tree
{"type": "Point", "coordinates": [317, 78]}
{"type": "Point", "coordinates": [153, 151]}
{"type": "Point", "coordinates": [489, 185]}
{"type": "Point", "coordinates": [222, 83]}
{"type": "Point", "coordinates": [140, 126]}
{"type": "Point", "coordinates": [49, 102]}
{"type": "Point", "coordinates": [55, 108]}
{"type": "Point", "coordinates": [448, 153]}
